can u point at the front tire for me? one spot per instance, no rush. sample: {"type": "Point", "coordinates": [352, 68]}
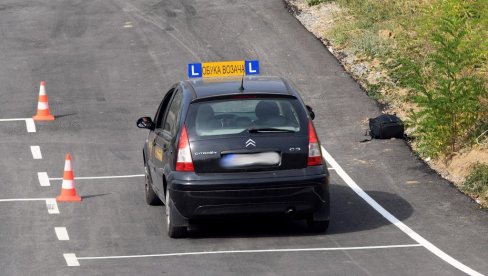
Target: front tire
{"type": "Point", "coordinates": [151, 197]}
{"type": "Point", "coordinates": [173, 231]}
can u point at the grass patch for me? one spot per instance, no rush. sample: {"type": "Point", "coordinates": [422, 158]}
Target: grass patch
{"type": "Point", "coordinates": [374, 91]}
{"type": "Point", "coordinates": [315, 2]}
{"type": "Point", "coordinates": [370, 44]}
{"type": "Point", "coordinates": [339, 34]}
{"type": "Point", "coordinates": [435, 49]}
{"type": "Point", "coordinates": [477, 182]}
{"type": "Point", "coordinates": [447, 83]}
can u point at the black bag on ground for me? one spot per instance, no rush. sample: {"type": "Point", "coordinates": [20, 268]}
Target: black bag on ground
{"type": "Point", "coordinates": [386, 126]}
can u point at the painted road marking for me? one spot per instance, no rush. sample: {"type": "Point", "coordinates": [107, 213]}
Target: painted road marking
{"type": "Point", "coordinates": [292, 250]}
{"type": "Point", "coordinates": [61, 233]}
{"type": "Point", "coordinates": [71, 259]}
{"type": "Point", "coordinates": [36, 152]}
{"type": "Point", "coordinates": [52, 206]}
{"type": "Point", "coordinates": [23, 199]}
{"type": "Point", "coordinates": [387, 215]}
{"type": "Point", "coordinates": [14, 119]}
{"type": "Point", "coordinates": [31, 126]}
{"type": "Point", "coordinates": [29, 123]}
{"type": "Point", "coordinates": [43, 179]}
{"type": "Point", "coordinates": [101, 177]}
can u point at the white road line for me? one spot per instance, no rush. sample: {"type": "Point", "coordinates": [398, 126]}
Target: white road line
{"type": "Point", "coordinates": [30, 125]}
{"type": "Point", "coordinates": [101, 177]}
{"type": "Point", "coordinates": [292, 250]}
{"type": "Point", "coordinates": [61, 233]}
{"type": "Point", "coordinates": [52, 206]}
{"type": "Point", "coordinates": [15, 119]}
{"type": "Point", "coordinates": [71, 259]}
{"type": "Point", "coordinates": [23, 199]}
{"type": "Point", "coordinates": [43, 179]}
{"type": "Point", "coordinates": [36, 152]}
{"type": "Point", "coordinates": [403, 227]}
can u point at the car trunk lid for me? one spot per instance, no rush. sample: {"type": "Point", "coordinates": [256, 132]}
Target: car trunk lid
{"type": "Point", "coordinates": [249, 153]}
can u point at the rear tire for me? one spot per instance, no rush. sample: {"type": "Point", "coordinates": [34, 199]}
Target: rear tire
{"type": "Point", "coordinates": [174, 232]}
{"type": "Point", "coordinates": [151, 197]}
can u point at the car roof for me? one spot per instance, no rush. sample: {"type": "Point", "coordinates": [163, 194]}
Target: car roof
{"type": "Point", "coordinates": [231, 85]}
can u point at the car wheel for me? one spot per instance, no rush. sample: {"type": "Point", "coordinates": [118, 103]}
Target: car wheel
{"type": "Point", "coordinates": [151, 197]}
{"type": "Point", "coordinates": [317, 226]}
{"type": "Point", "coordinates": [173, 231]}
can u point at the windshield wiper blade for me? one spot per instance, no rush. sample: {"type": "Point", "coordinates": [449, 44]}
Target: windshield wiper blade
{"type": "Point", "coordinates": [269, 129]}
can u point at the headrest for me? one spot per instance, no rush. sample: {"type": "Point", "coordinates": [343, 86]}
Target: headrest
{"type": "Point", "coordinates": [205, 112]}
{"type": "Point", "coordinates": [267, 109]}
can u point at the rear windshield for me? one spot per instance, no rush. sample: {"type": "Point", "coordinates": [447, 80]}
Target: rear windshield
{"type": "Point", "coordinates": [243, 116]}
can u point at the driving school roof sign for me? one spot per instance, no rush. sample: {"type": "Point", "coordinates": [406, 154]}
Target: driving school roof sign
{"type": "Point", "coordinates": [223, 69]}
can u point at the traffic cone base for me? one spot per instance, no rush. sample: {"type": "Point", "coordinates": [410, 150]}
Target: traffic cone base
{"type": "Point", "coordinates": [43, 117]}
{"type": "Point", "coordinates": [68, 195]}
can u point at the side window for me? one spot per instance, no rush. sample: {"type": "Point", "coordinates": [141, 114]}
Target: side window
{"type": "Point", "coordinates": [158, 118]}
{"type": "Point", "coordinates": [173, 112]}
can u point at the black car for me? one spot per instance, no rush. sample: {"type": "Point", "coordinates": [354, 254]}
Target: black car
{"type": "Point", "coordinates": [234, 147]}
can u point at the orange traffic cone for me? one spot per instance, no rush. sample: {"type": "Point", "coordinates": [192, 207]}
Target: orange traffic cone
{"type": "Point", "coordinates": [68, 191]}
{"type": "Point", "coordinates": [43, 113]}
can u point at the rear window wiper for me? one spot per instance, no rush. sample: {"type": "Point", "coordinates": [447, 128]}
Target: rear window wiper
{"type": "Point", "coordinates": [268, 129]}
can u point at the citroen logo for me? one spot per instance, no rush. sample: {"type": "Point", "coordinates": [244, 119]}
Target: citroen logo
{"type": "Point", "coordinates": [250, 142]}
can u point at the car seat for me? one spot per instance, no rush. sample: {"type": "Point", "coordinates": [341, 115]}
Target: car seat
{"type": "Point", "coordinates": [268, 114]}
{"type": "Point", "coordinates": [205, 119]}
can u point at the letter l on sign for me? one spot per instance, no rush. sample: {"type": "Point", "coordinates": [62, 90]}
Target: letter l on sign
{"type": "Point", "coordinates": [250, 68]}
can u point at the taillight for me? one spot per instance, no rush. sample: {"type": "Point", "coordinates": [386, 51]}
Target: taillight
{"type": "Point", "coordinates": [314, 153]}
{"type": "Point", "coordinates": [184, 163]}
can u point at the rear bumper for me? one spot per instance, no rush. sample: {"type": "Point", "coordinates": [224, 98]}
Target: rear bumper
{"type": "Point", "coordinates": [229, 197]}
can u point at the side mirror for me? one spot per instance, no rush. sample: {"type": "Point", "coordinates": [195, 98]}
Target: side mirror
{"type": "Point", "coordinates": [310, 111]}
{"type": "Point", "coordinates": [145, 122]}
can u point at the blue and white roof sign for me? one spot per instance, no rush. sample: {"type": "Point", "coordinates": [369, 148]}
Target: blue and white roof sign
{"type": "Point", "coordinates": [223, 69]}
{"type": "Point", "coordinates": [195, 70]}
{"type": "Point", "coordinates": [252, 67]}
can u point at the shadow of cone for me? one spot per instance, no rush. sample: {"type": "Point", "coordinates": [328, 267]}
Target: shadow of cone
{"type": "Point", "coordinates": [43, 113]}
{"type": "Point", "coordinates": [68, 191]}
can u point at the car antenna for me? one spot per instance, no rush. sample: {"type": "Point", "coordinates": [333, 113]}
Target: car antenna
{"type": "Point", "coordinates": [242, 84]}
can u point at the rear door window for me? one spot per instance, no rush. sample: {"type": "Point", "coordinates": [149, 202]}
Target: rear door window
{"type": "Point", "coordinates": [158, 118]}
{"type": "Point", "coordinates": [170, 123]}
{"type": "Point", "coordinates": [230, 117]}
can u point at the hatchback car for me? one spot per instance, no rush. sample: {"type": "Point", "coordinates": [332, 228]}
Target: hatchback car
{"type": "Point", "coordinates": [234, 147]}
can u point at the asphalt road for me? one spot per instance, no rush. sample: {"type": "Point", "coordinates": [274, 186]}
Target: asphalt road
{"type": "Point", "coordinates": [108, 62]}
